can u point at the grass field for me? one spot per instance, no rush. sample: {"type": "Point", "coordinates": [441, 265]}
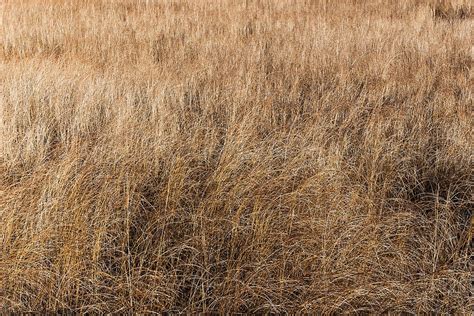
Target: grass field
{"type": "Point", "coordinates": [236, 156]}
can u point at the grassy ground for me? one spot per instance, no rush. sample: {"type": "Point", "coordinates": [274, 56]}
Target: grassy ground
{"type": "Point", "coordinates": [236, 156]}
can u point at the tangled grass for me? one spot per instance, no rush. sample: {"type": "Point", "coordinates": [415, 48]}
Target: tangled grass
{"type": "Point", "coordinates": [236, 156]}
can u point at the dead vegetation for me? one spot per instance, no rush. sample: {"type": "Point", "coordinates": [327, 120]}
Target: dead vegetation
{"type": "Point", "coordinates": [452, 10]}
{"type": "Point", "coordinates": [225, 156]}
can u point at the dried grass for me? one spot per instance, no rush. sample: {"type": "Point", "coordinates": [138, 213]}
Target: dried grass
{"type": "Point", "coordinates": [223, 156]}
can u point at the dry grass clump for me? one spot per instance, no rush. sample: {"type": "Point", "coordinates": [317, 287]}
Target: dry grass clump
{"type": "Point", "coordinates": [223, 156]}
{"type": "Point", "coordinates": [450, 10]}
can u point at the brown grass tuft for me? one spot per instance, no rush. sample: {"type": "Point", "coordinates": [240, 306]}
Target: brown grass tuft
{"type": "Point", "coordinates": [452, 10]}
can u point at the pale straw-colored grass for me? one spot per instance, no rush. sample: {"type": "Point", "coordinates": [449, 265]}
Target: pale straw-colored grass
{"type": "Point", "coordinates": [236, 156]}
